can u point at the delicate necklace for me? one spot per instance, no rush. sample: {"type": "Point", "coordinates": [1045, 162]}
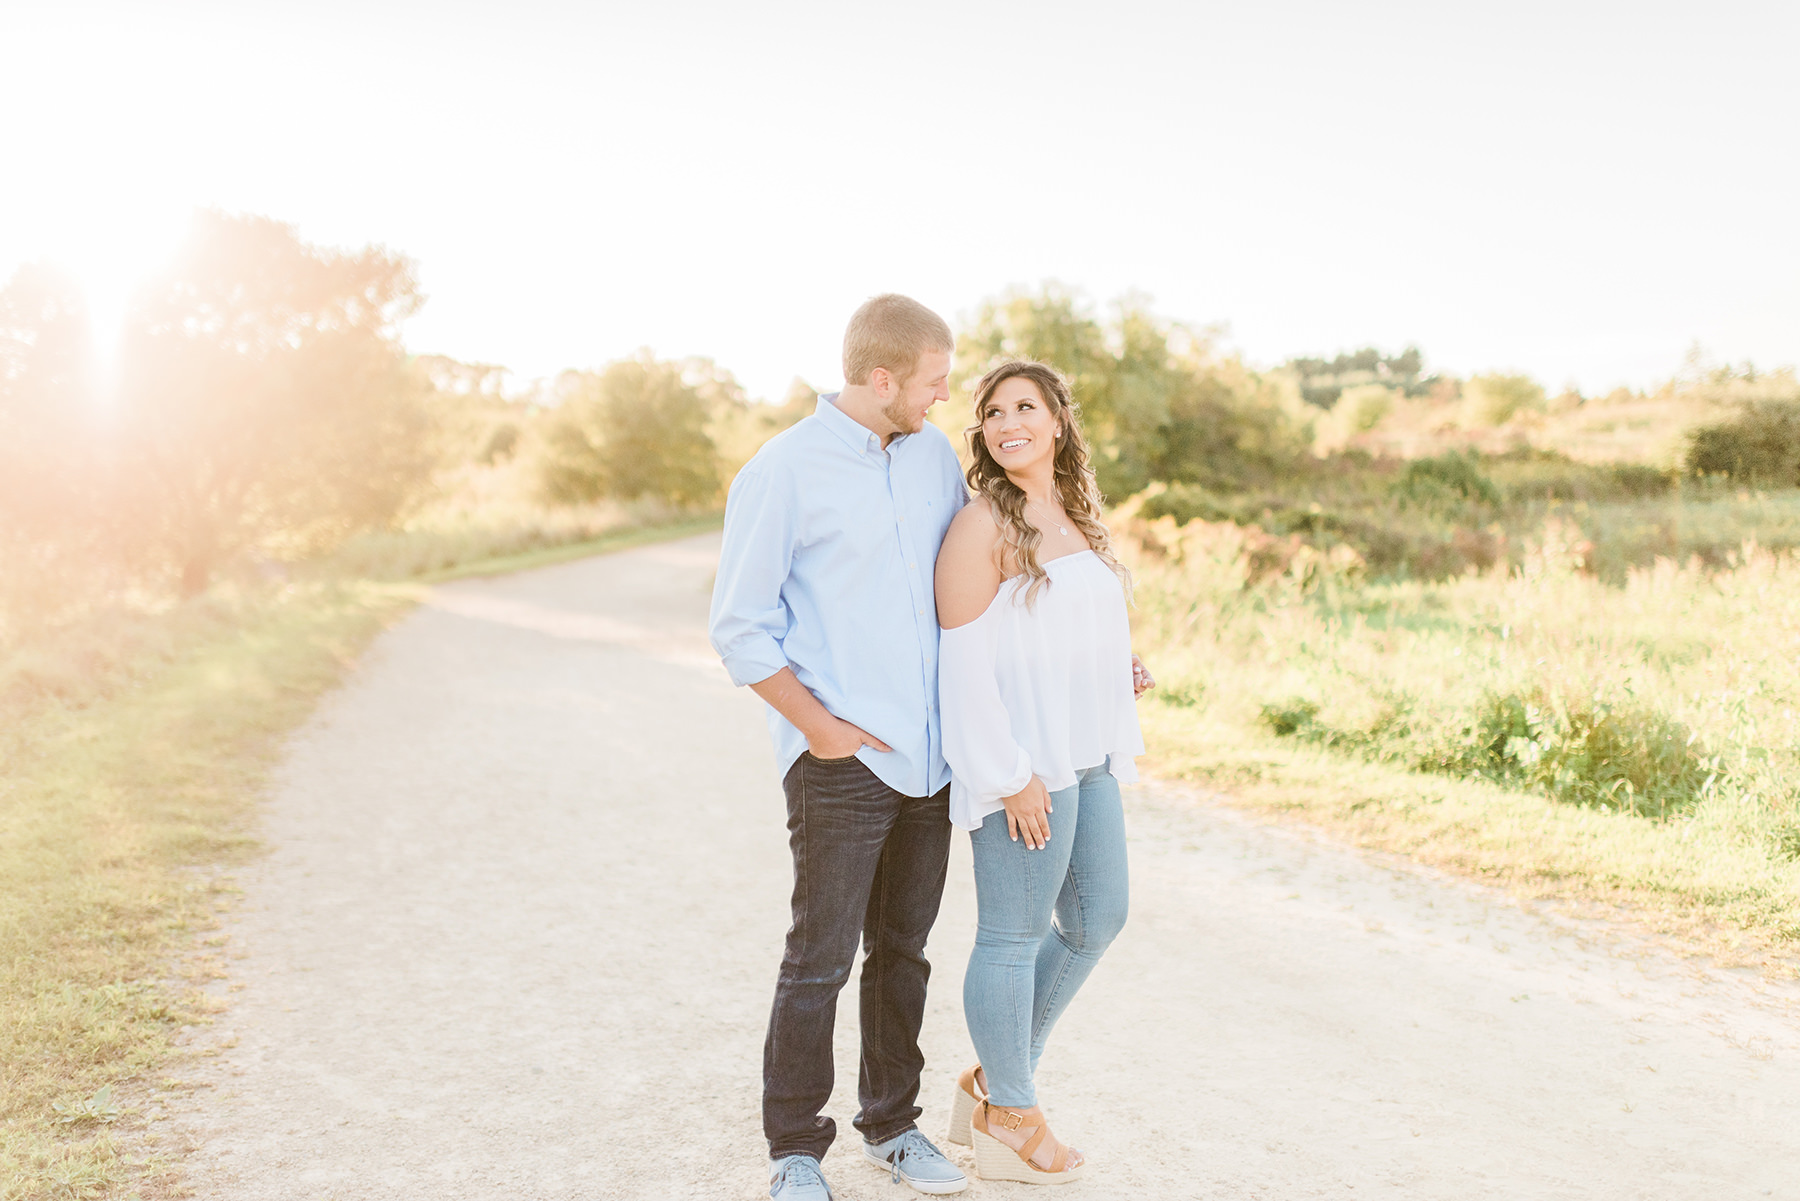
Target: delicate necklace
{"type": "Point", "coordinates": [1060, 527]}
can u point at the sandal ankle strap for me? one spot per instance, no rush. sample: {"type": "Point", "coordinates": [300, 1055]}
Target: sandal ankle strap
{"type": "Point", "coordinates": [1040, 1130]}
{"type": "Point", "coordinates": [1014, 1118]}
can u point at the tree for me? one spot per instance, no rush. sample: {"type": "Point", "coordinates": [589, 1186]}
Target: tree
{"type": "Point", "coordinates": [1322, 381]}
{"type": "Point", "coordinates": [1157, 401]}
{"type": "Point", "coordinates": [45, 404]}
{"type": "Point", "coordinates": [637, 428]}
{"type": "Point", "coordinates": [1055, 326]}
{"type": "Point", "coordinates": [1760, 445]}
{"type": "Point", "coordinates": [269, 402]}
{"type": "Point", "coordinates": [56, 543]}
{"type": "Point", "coordinates": [1229, 427]}
{"type": "Point", "coordinates": [739, 429]}
{"type": "Point", "coordinates": [1496, 399]}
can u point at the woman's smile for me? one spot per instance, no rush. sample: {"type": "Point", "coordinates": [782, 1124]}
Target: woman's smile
{"type": "Point", "coordinates": [1018, 426]}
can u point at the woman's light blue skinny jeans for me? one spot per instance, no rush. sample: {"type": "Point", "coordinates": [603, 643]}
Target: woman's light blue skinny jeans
{"type": "Point", "coordinates": [1045, 918]}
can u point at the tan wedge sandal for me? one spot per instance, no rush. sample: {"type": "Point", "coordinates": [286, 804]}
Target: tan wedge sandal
{"type": "Point", "coordinates": [970, 1091]}
{"type": "Point", "coordinates": [994, 1160]}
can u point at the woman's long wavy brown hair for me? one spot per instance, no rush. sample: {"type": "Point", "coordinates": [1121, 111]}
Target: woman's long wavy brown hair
{"type": "Point", "coordinates": [1076, 488]}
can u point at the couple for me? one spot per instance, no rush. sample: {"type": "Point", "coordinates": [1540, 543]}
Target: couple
{"type": "Point", "coordinates": [848, 540]}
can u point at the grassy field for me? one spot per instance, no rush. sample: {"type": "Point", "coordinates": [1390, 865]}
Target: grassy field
{"type": "Point", "coordinates": [1635, 743]}
{"type": "Point", "coordinates": [1574, 679]}
{"type": "Point", "coordinates": [131, 756]}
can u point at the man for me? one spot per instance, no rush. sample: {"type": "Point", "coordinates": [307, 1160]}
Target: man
{"type": "Point", "coordinates": [824, 607]}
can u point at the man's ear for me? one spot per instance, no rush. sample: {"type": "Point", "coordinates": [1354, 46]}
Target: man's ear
{"type": "Point", "coordinates": [882, 381]}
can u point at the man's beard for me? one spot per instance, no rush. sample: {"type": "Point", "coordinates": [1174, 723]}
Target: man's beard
{"type": "Point", "coordinates": [902, 416]}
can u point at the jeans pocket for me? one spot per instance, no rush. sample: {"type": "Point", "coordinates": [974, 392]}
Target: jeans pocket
{"type": "Point", "coordinates": [831, 762]}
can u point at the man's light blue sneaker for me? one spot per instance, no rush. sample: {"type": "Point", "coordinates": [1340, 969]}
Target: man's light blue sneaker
{"type": "Point", "coordinates": [798, 1178]}
{"type": "Point", "coordinates": [912, 1159]}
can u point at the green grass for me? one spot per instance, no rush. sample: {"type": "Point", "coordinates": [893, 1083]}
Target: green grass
{"type": "Point", "coordinates": [1636, 743]}
{"type": "Point", "coordinates": [547, 556]}
{"type": "Point", "coordinates": [1434, 519]}
{"type": "Point", "coordinates": [1698, 882]}
{"type": "Point", "coordinates": [113, 809]}
{"type": "Point", "coordinates": [131, 757]}
{"type": "Point", "coordinates": [444, 543]}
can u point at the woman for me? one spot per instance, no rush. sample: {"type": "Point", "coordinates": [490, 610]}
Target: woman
{"type": "Point", "coordinates": [1036, 684]}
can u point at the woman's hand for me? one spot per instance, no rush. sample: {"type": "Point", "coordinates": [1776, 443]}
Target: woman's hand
{"type": "Point", "coordinates": [1028, 813]}
{"type": "Point", "coordinates": [1141, 679]}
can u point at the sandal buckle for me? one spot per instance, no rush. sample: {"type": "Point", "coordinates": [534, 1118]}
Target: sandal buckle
{"type": "Point", "coordinates": [1012, 1119]}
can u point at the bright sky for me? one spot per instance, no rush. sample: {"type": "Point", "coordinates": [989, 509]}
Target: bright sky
{"type": "Point", "coordinates": [1576, 189]}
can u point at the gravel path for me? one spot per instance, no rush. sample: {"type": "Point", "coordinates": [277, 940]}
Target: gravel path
{"type": "Point", "coordinates": [517, 934]}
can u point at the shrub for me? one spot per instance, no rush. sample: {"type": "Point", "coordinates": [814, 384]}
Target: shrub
{"type": "Point", "coordinates": [1527, 475]}
{"type": "Point", "coordinates": [636, 429]}
{"type": "Point", "coordinates": [1158, 400]}
{"type": "Point", "coordinates": [1761, 446]}
{"type": "Point", "coordinates": [1445, 483]}
{"type": "Point", "coordinates": [1361, 408]}
{"type": "Point", "coordinates": [1290, 717]}
{"type": "Point", "coordinates": [1191, 502]}
{"type": "Point", "coordinates": [500, 444]}
{"type": "Point", "coordinates": [1497, 399]}
{"type": "Point", "coordinates": [1618, 756]}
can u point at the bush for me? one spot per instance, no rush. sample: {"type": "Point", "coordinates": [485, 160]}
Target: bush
{"type": "Point", "coordinates": [1447, 482]}
{"type": "Point", "coordinates": [1531, 475]}
{"type": "Point", "coordinates": [1622, 757]}
{"type": "Point", "coordinates": [1361, 408]}
{"type": "Point", "coordinates": [1760, 446]}
{"type": "Point", "coordinates": [1191, 502]}
{"type": "Point", "coordinates": [1626, 756]}
{"type": "Point", "coordinates": [636, 429]}
{"type": "Point", "coordinates": [1157, 400]}
{"type": "Point", "coordinates": [1287, 718]}
{"type": "Point", "coordinates": [500, 444]}
{"type": "Point", "coordinates": [1497, 399]}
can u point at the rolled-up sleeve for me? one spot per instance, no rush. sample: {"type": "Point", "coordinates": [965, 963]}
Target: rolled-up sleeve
{"type": "Point", "coordinates": [749, 617]}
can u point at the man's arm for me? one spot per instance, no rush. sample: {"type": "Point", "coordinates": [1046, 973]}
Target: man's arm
{"type": "Point", "coordinates": [749, 615]}
{"type": "Point", "coordinates": [827, 736]}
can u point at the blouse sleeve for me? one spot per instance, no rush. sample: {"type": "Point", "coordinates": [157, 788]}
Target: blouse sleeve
{"type": "Point", "coordinates": [979, 745]}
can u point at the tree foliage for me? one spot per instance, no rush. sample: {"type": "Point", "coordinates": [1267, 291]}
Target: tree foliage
{"type": "Point", "coordinates": [1761, 445]}
{"type": "Point", "coordinates": [1495, 399]}
{"type": "Point", "coordinates": [57, 546]}
{"type": "Point", "coordinates": [266, 395]}
{"type": "Point", "coordinates": [1323, 381]}
{"type": "Point", "coordinates": [637, 428]}
{"type": "Point", "coordinates": [46, 406]}
{"type": "Point", "coordinates": [1157, 399]}
{"type": "Point", "coordinates": [1445, 483]}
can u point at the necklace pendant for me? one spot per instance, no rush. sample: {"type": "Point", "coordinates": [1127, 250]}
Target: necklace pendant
{"type": "Point", "coordinates": [1063, 530]}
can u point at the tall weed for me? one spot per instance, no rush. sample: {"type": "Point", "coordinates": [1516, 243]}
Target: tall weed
{"type": "Point", "coordinates": [1671, 697]}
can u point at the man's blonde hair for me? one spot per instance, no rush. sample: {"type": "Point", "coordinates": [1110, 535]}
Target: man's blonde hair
{"type": "Point", "coordinates": [892, 331]}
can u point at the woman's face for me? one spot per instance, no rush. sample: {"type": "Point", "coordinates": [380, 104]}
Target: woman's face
{"type": "Point", "coordinates": [1018, 427]}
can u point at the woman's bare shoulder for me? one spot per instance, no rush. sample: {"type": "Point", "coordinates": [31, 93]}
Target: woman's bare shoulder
{"type": "Point", "coordinates": [967, 576]}
{"type": "Point", "coordinates": [976, 517]}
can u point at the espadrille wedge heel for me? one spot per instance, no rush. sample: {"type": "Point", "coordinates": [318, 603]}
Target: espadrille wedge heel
{"type": "Point", "coordinates": [969, 1093]}
{"type": "Point", "coordinates": [994, 1160]}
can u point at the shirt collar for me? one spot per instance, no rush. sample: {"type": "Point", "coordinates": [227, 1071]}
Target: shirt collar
{"type": "Point", "coordinates": [854, 433]}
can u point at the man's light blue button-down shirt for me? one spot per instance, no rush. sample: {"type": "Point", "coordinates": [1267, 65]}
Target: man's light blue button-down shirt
{"type": "Point", "coordinates": [830, 541]}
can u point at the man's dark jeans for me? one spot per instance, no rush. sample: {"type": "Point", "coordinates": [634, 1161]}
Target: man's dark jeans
{"type": "Point", "coordinates": [869, 861]}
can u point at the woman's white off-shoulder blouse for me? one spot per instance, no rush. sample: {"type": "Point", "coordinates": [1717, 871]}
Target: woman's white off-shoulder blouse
{"type": "Point", "coordinates": [1042, 690]}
